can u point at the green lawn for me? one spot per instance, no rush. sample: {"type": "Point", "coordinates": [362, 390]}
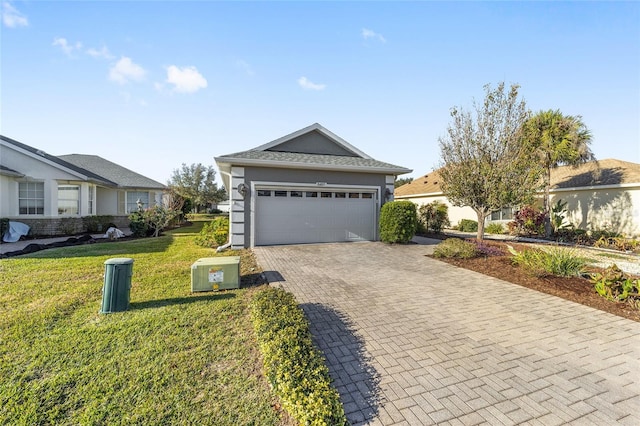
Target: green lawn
{"type": "Point", "coordinates": [173, 358]}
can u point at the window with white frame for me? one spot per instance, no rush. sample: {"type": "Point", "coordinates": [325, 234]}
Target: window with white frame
{"type": "Point", "coordinates": [31, 197]}
{"type": "Point", "coordinates": [68, 200]}
{"type": "Point", "coordinates": [133, 197]}
{"type": "Point", "coordinates": [92, 198]}
{"type": "Point", "coordinates": [506, 213]}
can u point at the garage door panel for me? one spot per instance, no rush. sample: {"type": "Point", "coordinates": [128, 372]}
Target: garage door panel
{"type": "Point", "coordinates": [290, 220]}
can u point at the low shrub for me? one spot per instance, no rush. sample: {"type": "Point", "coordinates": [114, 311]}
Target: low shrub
{"type": "Point", "coordinates": [494, 228]}
{"type": "Point", "coordinates": [433, 217]}
{"type": "Point", "coordinates": [293, 366]}
{"type": "Point", "coordinates": [138, 225]}
{"type": "Point", "coordinates": [96, 224]}
{"type": "Point", "coordinates": [486, 249]}
{"type": "Point", "coordinates": [528, 220]}
{"type": "Point", "coordinates": [555, 261]}
{"type": "Point", "coordinates": [398, 222]}
{"type": "Point", "coordinates": [456, 248]}
{"type": "Point", "coordinates": [214, 233]}
{"type": "Point", "coordinates": [618, 243]}
{"type": "Point", "coordinates": [467, 225]}
{"type": "Point", "coordinates": [613, 284]}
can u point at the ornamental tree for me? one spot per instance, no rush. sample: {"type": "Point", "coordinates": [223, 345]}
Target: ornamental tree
{"type": "Point", "coordinates": [486, 162]}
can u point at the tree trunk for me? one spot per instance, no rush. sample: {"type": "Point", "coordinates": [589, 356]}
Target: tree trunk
{"type": "Point", "coordinates": [545, 205]}
{"type": "Point", "coordinates": [481, 216]}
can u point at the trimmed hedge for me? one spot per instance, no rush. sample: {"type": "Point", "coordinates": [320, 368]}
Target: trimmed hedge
{"type": "Point", "coordinates": [294, 367]}
{"type": "Point", "coordinates": [398, 222]}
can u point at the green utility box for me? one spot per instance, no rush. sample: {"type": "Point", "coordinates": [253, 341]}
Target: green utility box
{"type": "Point", "coordinates": [117, 285]}
{"type": "Point", "coordinates": [215, 273]}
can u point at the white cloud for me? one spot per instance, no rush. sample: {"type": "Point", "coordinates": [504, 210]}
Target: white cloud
{"type": "Point", "coordinates": [306, 84]}
{"type": "Point", "coordinates": [185, 80]}
{"type": "Point", "coordinates": [126, 70]}
{"type": "Point", "coordinates": [367, 34]}
{"type": "Point", "coordinates": [11, 17]}
{"type": "Point", "coordinates": [102, 53]}
{"type": "Point", "coordinates": [66, 47]}
{"type": "Point", "coordinates": [245, 67]}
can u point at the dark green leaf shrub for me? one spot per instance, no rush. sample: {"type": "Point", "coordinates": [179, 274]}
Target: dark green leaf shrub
{"type": "Point", "coordinates": [398, 222]}
{"type": "Point", "coordinates": [95, 224]}
{"type": "Point", "coordinates": [528, 220]}
{"type": "Point", "coordinates": [613, 284]}
{"type": "Point", "coordinates": [433, 217]}
{"type": "Point", "coordinates": [138, 225]}
{"type": "Point", "coordinates": [467, 225]}
{"type": "Point", "coordinates": [556, 261]}
{"type": "Point", "coordinates": [214, 233]}
{"type": "Point", "coordinates": [294, 367]}
{"type": "Point", "coordinates": [456, 248]}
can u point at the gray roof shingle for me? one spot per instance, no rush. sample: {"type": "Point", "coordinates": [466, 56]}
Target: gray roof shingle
{"type": "Point", "coordinates": [121, 176]}
{"type": "Point", "coordinates": [320, 160]}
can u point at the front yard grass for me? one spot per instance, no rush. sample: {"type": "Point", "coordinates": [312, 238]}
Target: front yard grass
{"type": "Point", "coordinates": [172, 358]}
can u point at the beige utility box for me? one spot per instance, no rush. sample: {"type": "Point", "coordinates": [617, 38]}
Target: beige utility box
{"type": "Point", "coordinates": [215, 273]}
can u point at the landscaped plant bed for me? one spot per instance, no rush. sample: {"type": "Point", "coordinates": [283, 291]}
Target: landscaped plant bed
{"type": "Point", "coordinates": [575, 289]}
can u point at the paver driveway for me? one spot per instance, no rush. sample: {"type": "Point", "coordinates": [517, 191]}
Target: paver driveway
{"type": "Point", "coordinates": [411, 340]}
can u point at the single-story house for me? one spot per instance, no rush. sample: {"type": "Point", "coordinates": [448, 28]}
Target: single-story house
{"type": "Point", "coordinates": [42, 190]}
{"type": "Point", "coordinates": [309, 186]}
{"type": "Point", "coordinates": [600, 195]}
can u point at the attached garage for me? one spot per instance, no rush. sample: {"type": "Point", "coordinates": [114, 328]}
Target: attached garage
{"type": "Point", "coordinates": [305, 215]}
{"type": "Point", "coordinates": [308, 187]}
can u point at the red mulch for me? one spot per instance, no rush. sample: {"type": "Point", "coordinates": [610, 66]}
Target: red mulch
{"type": "Point", "coordinates": [576, 289]}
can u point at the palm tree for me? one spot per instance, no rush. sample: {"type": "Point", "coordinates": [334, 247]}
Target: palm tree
{"type": "Point", "coordinates": [559, 140]}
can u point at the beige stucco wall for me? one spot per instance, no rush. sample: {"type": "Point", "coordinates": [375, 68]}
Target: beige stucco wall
{"type": "Point", "coordinates": [456, 214]}
{"type": "Point", "coordinates": [613, 209]}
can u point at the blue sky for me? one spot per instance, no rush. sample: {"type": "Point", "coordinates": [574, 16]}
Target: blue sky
{"type": "Point", "coordinates": [153, 84]}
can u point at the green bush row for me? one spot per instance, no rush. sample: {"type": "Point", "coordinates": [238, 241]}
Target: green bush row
{"type": "Point", "coordinates": [293, 366]}
{"type": "Point", "coordinates": [398, 222]}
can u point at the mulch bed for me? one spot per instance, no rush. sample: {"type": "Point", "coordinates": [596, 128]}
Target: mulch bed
{"type": "Point", "coordinates": [575, 289]}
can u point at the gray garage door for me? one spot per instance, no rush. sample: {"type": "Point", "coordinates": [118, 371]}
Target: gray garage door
{"type": "Point", "coordinates": [293, 216]}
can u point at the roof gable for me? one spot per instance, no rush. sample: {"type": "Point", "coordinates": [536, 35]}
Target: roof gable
{"type": "Point", "coordinates": [313, 139]}
{"type": "Point", "coordinates": [313, 147]}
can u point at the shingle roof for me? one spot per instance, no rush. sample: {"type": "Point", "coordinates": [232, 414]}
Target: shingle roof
{"type": "Point", "coordinates": [9, 172]}
{"type": "Point", "coordinates": [277, 154]}
{"type": "Point", "coordinates": [57, 160]}
{"type": "Point", "coordinates": [595, 173]}
{"type": "Point", "coordinates": [121, 176]}
{"type": "Point", "coordinates": [292, 158]}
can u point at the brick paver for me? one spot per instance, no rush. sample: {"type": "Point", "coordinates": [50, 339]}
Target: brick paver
{"type": "Point", "coordinates": [411, 340]}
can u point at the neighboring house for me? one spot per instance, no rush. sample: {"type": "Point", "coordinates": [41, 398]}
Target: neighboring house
{"type": "Point", "coordinates": [307, 187]}
{"type": "Point", "coordinates": [600, 195]}
{"type": "Point", "coordinates": [40, 189]}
